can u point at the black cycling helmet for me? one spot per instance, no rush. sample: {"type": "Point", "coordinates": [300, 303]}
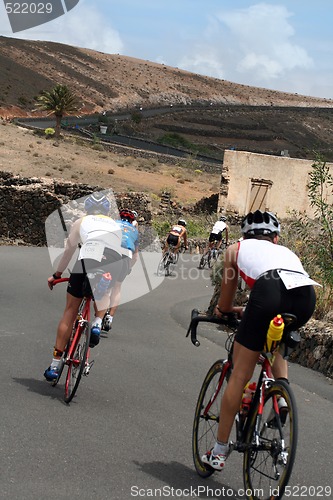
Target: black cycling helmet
{"type": "Point", "coordinates": [182, 222]}
{"type": "Point", "coordinates": [127, 215]}
{"type": "Point", "coordinates": [97, 203]}
{"type": "Point", "coordinates": [223, 218]}
{"type": "Point", "coordinates": [260, 223]}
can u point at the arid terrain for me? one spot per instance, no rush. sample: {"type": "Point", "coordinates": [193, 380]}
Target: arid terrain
{"type": "Point", "coordinates": [216, 114]}
{"type": "Point", "coordinates": [27, 154]}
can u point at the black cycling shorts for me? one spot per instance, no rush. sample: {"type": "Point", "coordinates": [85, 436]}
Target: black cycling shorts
{"type": "Point", "coordinates": [268, 298]}
{"type": "Point", "coordinates": [173, 240]}
{"type": "Point", "coordinates": [113, 264]}
{"type": "Point", "coordinates": [215, 237]}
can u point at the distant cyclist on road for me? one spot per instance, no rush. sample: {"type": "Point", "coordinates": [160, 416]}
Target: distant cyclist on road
{"type": "Point", "coordinates": [216, 234]}
{"type": "Point", "coordinates": [177, 233]}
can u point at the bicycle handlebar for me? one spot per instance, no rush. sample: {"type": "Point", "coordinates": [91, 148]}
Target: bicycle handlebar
{"type": "Point", "coordinates": [59, 280]}
{"type": "Point", "coordinates": [197, 317]}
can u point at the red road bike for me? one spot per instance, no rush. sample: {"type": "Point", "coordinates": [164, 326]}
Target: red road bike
{"type": "Point", "coordinates": [76, 354]}
{"type": "Point", "coordinates": [267, 435]}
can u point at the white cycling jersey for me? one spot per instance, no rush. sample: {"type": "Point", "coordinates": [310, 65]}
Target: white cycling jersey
{"type": "Point", "coordinates": [177, 229]}
{"type": "Point", "coordinates": [255, 257]}
{"type": "Point", "coordinates": [218, 227]}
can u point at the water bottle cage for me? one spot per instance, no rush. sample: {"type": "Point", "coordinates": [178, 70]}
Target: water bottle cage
{"type": "Point", "coordinates": [289, 343]}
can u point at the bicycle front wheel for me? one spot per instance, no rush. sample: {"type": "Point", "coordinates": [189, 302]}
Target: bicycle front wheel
{"type": "Point", "coordinates": [207, 412]}
{"type": "Point", "coordinates": [77, 362]}
{"type": "Point", "coordinates": [161, 265]}
{"type": "Point", "coordinates": [271, 444]}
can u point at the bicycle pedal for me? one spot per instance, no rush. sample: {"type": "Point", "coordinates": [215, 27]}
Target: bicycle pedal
{"type": "Point", "coordinates": [87, 368]}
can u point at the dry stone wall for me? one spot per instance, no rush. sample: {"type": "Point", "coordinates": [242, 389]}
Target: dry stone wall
{"type": "Point", "coordinates": [25, 204]}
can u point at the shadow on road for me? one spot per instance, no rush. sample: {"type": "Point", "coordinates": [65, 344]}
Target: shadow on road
{"type": "Point", "coordinates": [182, 478]}
{"type": "Point", "coordinates": [42, 388]}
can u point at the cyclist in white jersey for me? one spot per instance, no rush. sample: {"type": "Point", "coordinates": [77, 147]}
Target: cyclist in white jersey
{"type": "Point", "coordinates": [278, 283]}
{"type": "Point", "coordinates": [216, 234]}
{"type": "Point", "coordinates": [100, 240]}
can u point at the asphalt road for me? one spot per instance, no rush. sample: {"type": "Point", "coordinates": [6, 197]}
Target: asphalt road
{"type": "Point", "coordinates": [127, 433]}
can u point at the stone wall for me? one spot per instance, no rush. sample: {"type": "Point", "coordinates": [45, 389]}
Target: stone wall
{"type": "Point", "coordinates": [25, 204]}
{"type": "Point", "coordinates": [316, 348]}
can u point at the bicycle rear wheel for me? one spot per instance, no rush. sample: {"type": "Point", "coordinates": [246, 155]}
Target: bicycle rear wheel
{"type": "Point", "coordinates": [207, 413]}
{"type": "Point", "coordinates": [77, 363]}
{"type": "Point", "coordinates": [202, 262]}
{"type": "Point", "coordinates": [268, 463]}
{"type": "Point", "coordinates": [169, 264]}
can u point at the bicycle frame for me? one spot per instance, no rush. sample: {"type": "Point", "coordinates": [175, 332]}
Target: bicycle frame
{"type": "Point", "coordinates": [83, 318]}
{"type": "Point", "coordinates": [265, 378]}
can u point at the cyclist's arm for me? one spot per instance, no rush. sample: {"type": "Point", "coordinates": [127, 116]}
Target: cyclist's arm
{"type": "Point", "coordinates": [226, 235]}
{"type": "Point", "coordinates": [229, 280]}
{"type": "Point", "coordinates": [71, 245]}
{"type": "Point", "coordinates": [185, 238]}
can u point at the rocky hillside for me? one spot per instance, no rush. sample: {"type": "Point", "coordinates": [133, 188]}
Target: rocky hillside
{"type": "Point", "coordinates": [206, 114]}
{"type": "Point", "coordinates": [112, 82]}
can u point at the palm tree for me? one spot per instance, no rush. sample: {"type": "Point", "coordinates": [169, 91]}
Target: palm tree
{"type": "Point", "coordinates": [59, 101]}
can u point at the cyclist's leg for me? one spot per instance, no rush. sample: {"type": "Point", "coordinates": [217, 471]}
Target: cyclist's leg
{"type": "Point", "coordinates": [218, 241]}
{"type": "Point", "coordinates": [67, 320]}
{"type": "Point", "coordinates": [210, 244]}
{"type": "Point", "coordinates": [250, 340]}
{"type": "Point", "coordinates": [176, 245]}
{"type": "Point", "coordinates": [280, 367]}
{"type": "Point", "coordinates": [167, 243]}
{"type": "Point", "coordinates": [244, 362]}
{"type": "Point", "coordinates": [63, 334]}
{"type": "Point", "coordinates": [112, 264]}
{"type": "Point", "coordinates": [116, 290]}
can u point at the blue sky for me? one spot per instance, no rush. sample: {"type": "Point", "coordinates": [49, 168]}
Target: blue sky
{"type": "Point", "coordinates": [285, 45]}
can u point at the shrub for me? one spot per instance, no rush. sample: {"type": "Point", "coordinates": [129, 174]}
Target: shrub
{"type": "Point", "coordinates": [314, 237]}
{"type": "Point", "coordinates": [49, 132]}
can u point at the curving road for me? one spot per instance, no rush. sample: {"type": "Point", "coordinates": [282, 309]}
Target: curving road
{"type": "Point", "coordinates": [80, 123]}
{"type": "Point", "coordinates": [128, 430]}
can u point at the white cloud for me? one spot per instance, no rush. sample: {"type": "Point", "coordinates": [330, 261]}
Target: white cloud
{"type": "Point", "coordinates": [204, 61]}
{"type": "Point", "coordinates": [83, 27]}
{"type": "Point", "coordinates": [253, 45]}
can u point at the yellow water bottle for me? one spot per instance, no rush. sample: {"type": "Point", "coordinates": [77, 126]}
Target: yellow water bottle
{"type": "Point", "coordinates": [274, 333]}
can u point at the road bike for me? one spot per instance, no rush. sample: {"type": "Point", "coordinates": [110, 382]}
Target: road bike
{"type": "Point", "coordinates": [210, 258]}
{"type": "Point", "coordinates": [77, 351]}
{"type": "Point", "coordinates": [168, 262]}
{"type": "Point", "coordinates": [267, 435]}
